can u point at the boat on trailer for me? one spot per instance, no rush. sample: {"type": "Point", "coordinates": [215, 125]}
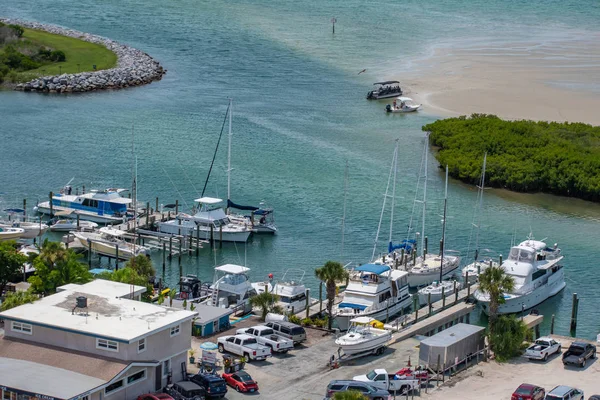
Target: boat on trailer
{"type": "Point", "coordinates": [362, 337]}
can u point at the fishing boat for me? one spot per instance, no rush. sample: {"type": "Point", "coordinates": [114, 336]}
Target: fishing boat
{"type": "Point", "coordinates": [68, 225]}
{"type": "Point", "coordinates": [290, 289]}
{"type": "Point", "coordinates": [231, 288]}
{"type": "Point", "coordinates": [11, 233]}
{"type": "Point", "coordinates": [537, 273]}
{"type": "Point", "coordinates": [16, 219]}
{"type": "Point", "coordinates": [209, 223]}
{"type": "Point", "coordinates": [362, 336]}
{"type": "Point", "coordinates": [108, 242]}
{"type": "Point", "coordinates": [103, 207]}
{"type": "Point", "coordinates": [402, 105]}
{"type": "Point", "coordinates": [385, 90]}
{"type": "Point", "coordinates": [437, 290]}
{"type": "Point", "coordinates": [192, 289]}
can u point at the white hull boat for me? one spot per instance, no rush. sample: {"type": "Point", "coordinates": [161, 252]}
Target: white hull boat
{"type": "Point", "coordinates": [106, 245]}
{"type": "Point", "coordinates": [362, 337]}
{"type": "Point", "coordinates": [31, 230]}
{"type": "Point", "coordinates": [424, 273]}
{"type": "Point", "coordinates": [231, 288]}
{"type": "Point", "coordinates": [291, 291]}
{"type": "Point", "coordinates": [476, 268]}
{"type": "Point", "coordinates": [11, 233]}
{"type": "Point", "coordinates": [537, 274]}
{"type": "Point", "coordinates": [68, 225]}
{"type": "Point", "coordinates": [434, 291]}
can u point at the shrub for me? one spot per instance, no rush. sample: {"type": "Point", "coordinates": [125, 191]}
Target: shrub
{"type": "Point", "coordinates": [508, 337]}
{"type": "Point", "coordinates": [295, 319]}
{"type": "Point", "coordinates": [307, 321]}
{"type": "Point", "coordinates": [58, 55]}
{"type": "Point", "coordinates": [17, 29]}
{"type": "Point", "coordinates": [13, 77]}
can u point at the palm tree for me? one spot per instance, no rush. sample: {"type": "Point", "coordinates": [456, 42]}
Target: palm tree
{"type": "Point", "coordinates": [15, 299]}
{"type": "Point", "coordinates": [349, 395]}
{"type": "Point", "coordinates": [495, 282]}
{"type": "Point", "coordinates": [330, 273]}
{"type": "Point", "coordinates": [52, 253]}
{"type": "Point", "coordinates": [265, 301]}
{"type": "Point", "coordinates": [141, 264]}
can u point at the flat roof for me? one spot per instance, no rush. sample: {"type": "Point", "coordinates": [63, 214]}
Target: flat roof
{"type": "Point", "coordinates": [108, 317]}
{"type": "Point", "coordinates": [208, 313]}
{"type": "Point", "coordinates": [102, 287]}
{"type": "Point", "coordinates": [232, 269]}
{"type": "Point", "coordinates": [452, 335]}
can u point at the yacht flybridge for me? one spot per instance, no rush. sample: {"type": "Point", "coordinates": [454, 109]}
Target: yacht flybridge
{"type": "Point", "coordinates": [537, 275]}
{"type": "Point", "coordinates": [231, 287]}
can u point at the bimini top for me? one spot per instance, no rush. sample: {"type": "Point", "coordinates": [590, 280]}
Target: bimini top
{"type": "Point", "coordinates": [385, 83]}
{"type": "Point", "coordinates": [232, 269]}
{"type": "Point", "coordinates": [401, 98]}
{"type": "Point", "coordinates": [208, 200]}
{"type": "Point", "coordinates": [374, 268]}
{"type": "Point", "coordinates": [362, 320]}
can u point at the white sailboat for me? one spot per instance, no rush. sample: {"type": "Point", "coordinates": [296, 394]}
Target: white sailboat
{"type": "Point", "coordinates": [437, 290]}
{"type": "Point", "coordinates": [537, 275]}
{"type": "Point", "coordinates": [362, 337]}
{"type": "Point", "coordinates": [482, 261]}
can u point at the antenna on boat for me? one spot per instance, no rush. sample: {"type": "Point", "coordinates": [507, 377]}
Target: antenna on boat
{"type": "Point", "coordinates": [344, 212]}
{"type": "Point", "coordinates": [444, 227]}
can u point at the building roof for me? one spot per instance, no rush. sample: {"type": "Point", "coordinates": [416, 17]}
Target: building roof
{"type": "Point", "coordinates": [102, 287]}
{"type": "Point", "coordinates": [452, 335]}
{"type": "Point", "coordinates": [208, 313]}
{"type": "Point", "coordinates": [108, 317]}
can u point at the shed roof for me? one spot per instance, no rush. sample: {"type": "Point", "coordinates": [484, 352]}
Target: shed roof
{"type": "Point", "coordinates": [208, 313]}
{"type": "Point", "coordinates": [452, 335]}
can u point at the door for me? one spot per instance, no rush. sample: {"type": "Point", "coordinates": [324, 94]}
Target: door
{"type": "Point", "coordinates": [158, 377]}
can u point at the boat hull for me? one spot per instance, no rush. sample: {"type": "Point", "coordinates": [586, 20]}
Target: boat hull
{"type": "Point", "coordinates": [375, 96]}
{"type": "Point", "coordinates": [343, 319]}
{"type": "Point", "coordinates": [73, 227]}
{"type": "Point", "coordinates": [11, 234]}
{"type": "Point", "coordinates": [424, 298]}
{"type": "Point", "coordinates": [354, 347]}
{"type": "Point", "coordinates": [204, 234]}
{"type": "Point", "coordinates": [109, 249]}
{"type": "Point", "coordinates": [44, 208]}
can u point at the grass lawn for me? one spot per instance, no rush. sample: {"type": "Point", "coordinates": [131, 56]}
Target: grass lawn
{"type": "Point", "coordinates": [81, 55]}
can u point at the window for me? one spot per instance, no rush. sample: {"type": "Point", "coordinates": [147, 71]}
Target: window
{"type": "Point", "coordinates": [22, 327]}
{"type": "Point", "coordinates": [166, 367]}
{"type": "Point", "coordinates": [114, 387]}
{"type": "Point", "coordinates": [141, 345]}
{"type": "Point", "coordinates": [136, 377]}
{"type": "Point", "coordinates": [109, 345]}
{"type": "Point", "coordinates": [175, 330]}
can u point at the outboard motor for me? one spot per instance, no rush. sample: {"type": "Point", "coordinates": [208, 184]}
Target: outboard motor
{"type": "Point", "coordinates": [370, 95]}
{"type": "Point", "coordinates": [388, 108]}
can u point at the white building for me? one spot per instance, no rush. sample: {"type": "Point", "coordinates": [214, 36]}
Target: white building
{"type": "Point", "coordinates": [115, 348]}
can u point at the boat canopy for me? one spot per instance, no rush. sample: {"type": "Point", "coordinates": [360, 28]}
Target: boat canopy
{"type": "Point", "coordinates": [232, 269]}
{"type": "Point", "coordinates": [385, 83]}
{"type": "Point", "coordinates": [354, 306]}
{"type": "Point", "coordinates": [374, 268]}
{"type": "Point", "coordinates": [208, 200]}
{"type": "Point", "coordinates": [402, 98]}
{"type": "Point", "coordinates": [362, 320]}
{"type": "Point", "coordinates": [239, 207]}
{"type": "Point", "coordinates": [405, 244]}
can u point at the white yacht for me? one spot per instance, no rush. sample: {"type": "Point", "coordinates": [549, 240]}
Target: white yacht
{"type": "Point", "coordinates": [11, 233]}
{"type": "Point", "coordinates": [363, 337]}
{"type": "Point", "coordinates": [231, 287]}
{"type": "Point", "coordinates": [537, 274]}
{"type": "Point", "coordinates": [31, 230]}
{"type": "Point", "coordinates": [374, 291]}
{"type": "Point", "coordinates": [68, 225]}
{"type": "Point", "coordinates": [97, 206]}
{"type": "Point", "coordinates": [106, 241]}
{"type": "Point", "coordinates": [210, 220]}
{"type": "Point", "coordinates": [435, 291]}
{"type": "Point", "coordinates": [290, 289]}
{"type": "Point", "coordinates": [426, 270]}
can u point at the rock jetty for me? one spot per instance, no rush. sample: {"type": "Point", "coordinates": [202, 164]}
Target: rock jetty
{"type": "Point", "coordinates": [134, 67]}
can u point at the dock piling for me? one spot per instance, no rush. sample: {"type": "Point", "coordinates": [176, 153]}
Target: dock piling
{"type": "Point", "coordinates": [147, 215]}
{"type": "Point", "coordinates": [429, 303]}
{"type": "Point", "coordinates": [51, 205]}
{"type": "Point", "coordinates": [164, 254]}
{"type": "Point", "coordinates": [221, 236]}
{"type": "Point", "coordinates": [416, 306]}
{"type": "Point", "coordinates": [197, 240]}
{"type": "Point", "coordinates": [212, 235]}
{"type": "Point", "coordinates": [77, 221]}
{"type": "Point", "coordinates": [426, 247]}
{"type": "Point", "coordinates": [170, 247]}
{"type": "Point", "coordinates": [156, 208]}
{"type": "Point", "coordinates": [117, 257]}
{"type": "Point", "coordinates": [307, 303]}
{"type": "Point", "coordinates": [180, 242]}
{"type": "Point", "coordinates": [500, 259]}
{"type": "Point", "coordinates": [552, 325]}
{"type": "Point", "coordinates": [574, 310]}
{"type": "Point", "coordinates": [89, 242]}
{"type": "Point", "coordinates": [320, 296]}
{"type": "Point", "coordinates": [24, 208]}
{"type": "Point", "coordinates": [468, 284]}
{"type": "Point", "coordinates": [176, 207]}
{"type": "Point", "coordinates": [443, 297]}
{"type": "Point", "coordinates": [455, 293]}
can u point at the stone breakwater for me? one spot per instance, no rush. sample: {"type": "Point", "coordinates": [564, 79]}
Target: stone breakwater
{"type": "Point", "coordinates": [134, 67]}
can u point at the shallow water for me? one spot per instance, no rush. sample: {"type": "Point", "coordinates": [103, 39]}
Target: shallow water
{"type": "Point", "coordinates": [299, 115]}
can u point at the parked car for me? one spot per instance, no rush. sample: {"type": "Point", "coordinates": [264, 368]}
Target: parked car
{"type": "Point", "coordinates": [213, 384]}
{"type": "Point", "coordinates": [267, 337]}
{"type": "Point", "coordinates": [364, 388]}
{"type": "Point", "coordinates": [542, 349]}
{"type": "Point", "coordinates": [565, 393]}
{"type": "Point", "coordinates": [288, 330]}
{"type": "Point", "coordinates": [244, 345]}
{"type": "Point", "coordinates": [186, 390]}
{"type": "Point", "coordinates": [380, 379]}
{"type": "Point", "coordinates": [155, 396]}
{"type": "Point", "coordinates": [528, 391]}
{"type": "Point", "coordinates": [594, 397]}
{"type": "Point", "coordinates": [578, 354]}
{"type": "Point", "coordinates": [241, 381]}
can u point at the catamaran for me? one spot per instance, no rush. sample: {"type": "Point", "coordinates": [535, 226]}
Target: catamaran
{"type": "Point", "coordinates": [537, 273]}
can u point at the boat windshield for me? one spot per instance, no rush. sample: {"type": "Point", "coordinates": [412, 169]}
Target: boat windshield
{"type": "Point", "coordinates": [521, 255]}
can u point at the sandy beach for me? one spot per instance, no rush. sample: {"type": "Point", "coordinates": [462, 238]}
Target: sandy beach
{"type": "Point", "coordinates": [554, 80]}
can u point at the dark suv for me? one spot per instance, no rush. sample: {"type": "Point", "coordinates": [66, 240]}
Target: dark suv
{"type": "Point", "coordinates": [363, 388]}
{"type": "Point", "coordinates": [288, 330]}
{"type": "Point", "coordinates": [213, 384]}
{"type": "Point", "coordinates": [186, 390]}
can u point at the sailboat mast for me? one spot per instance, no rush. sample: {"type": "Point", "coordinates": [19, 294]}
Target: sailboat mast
{"type": "Point", "coordinates": [229, 156]}
{"type": "Point", "coordinates": [385, 196]}
{"type": "Point", "coordinates": [344, 212]}
{"type": "Point", "coordinates": [444, 226]}
{"type": "Point", "coordinates": [424, 196]}
{"type": "Point", "coordinates": [481, 186]}
{"type": "Point", "coordinates": [395, 166]}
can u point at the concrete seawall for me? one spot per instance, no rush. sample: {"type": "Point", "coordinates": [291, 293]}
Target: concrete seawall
{"type": "Point", "coordinates": [134, 67]}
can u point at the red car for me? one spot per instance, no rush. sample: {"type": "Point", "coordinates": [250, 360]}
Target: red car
{"type": "Point", "coordinates": [155, 396]}
{"type": "Point", "coordinates": [241, 381]}
{"type": "Point", "coordinates": [528, 392]}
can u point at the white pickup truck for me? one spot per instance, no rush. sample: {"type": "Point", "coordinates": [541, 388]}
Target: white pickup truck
{"type": "Point", "coordinates": [542, 349]}
{"type": "Point", "coordinates": [265, 336]}
{"type": "Point", "coordinates": [396, 384]}
{"type": "Point", "coordinates": [243, 345]}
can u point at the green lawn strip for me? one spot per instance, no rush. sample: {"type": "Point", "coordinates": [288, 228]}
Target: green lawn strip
{"type": "Point", "coordinates": [81, 55]}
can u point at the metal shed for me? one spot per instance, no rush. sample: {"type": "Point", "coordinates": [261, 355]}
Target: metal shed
{"type": "Point", "coordinates": [452, 344]}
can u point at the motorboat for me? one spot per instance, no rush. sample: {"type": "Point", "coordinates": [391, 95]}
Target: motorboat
{"type": "Point", "coordinates": [537, 273]}
{"type": "Point", "coordinates": [210, 222]}
{"type": "Point", "coordinates": [231, 288]}
{"type": "Point", "coordinates": [28, 251]}
{"type": "Point", "coordinates": [261, 219]}
{"type": "Point", "coordinates": [427, 269]}
{"type": "Point", "coordinates": [402, 105]}
{"type": "Point", "coordinates": [472, 271]}
{"type": "Point", "coordinates": [385, 90]}
{"type": "Point", "coordinates": [108, 242]}
{"type": "Point", "coordinates": [290, 290]}
{"type": "Point", "coordinates": [437, 290]}
{"type": "Point", "coordinates": [31, 230]}
{"type": "Point", "coordinates": [363, 337]}
{"type": "Point", "coordinates": [68, 225]}
{"type": "Point", "coordinates": [103, 207]}
{"type": "Point", "coordinates": [191, 289]}
{"type": "Point", "coordinates": [11, 233]}
{"type": "Point", "coordinates": [373, 291]}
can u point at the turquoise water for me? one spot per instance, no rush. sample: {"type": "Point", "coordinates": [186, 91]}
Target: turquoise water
{"type": "Point", "coordinates": [299, 115]}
